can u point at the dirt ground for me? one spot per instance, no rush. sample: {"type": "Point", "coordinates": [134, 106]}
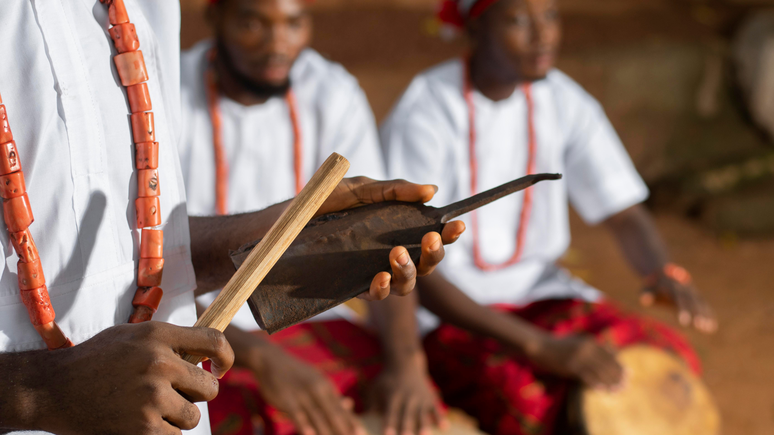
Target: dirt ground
{"type": "Point", "coordinates": [385, 46]}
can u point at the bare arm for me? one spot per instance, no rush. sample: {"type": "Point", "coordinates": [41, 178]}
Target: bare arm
{"type": "Point", "coordinates": [576, 357]}
{"type": "Point", "coordinates": [213, 237]}
{"type": "Point", "coordinates": [646, 252]}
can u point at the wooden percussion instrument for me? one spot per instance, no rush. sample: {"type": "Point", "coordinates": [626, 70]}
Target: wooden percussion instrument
{"type": "Point", "coordinates": [662, 397]}
{"type": "Point", "coordinates": [337, 255]}
{"type": "Point", "coordinates": [459, 424]}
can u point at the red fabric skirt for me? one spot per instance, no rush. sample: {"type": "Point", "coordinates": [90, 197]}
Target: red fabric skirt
{"type": "Point", "coordinates": [504, 391]}
{"type": "Point", "coordinates": [348, 354]}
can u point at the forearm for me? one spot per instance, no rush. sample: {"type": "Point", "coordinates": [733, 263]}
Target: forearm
{"type": "Point", "coordinates": [395, 319]}
{"type": "Point", "coordinates": [213, 237]}
{"type": "Point", "coordinates": [453, 306]}
{"type": "Point", "coordinates": [20, 390]}
{"type": "Point", "coordinates": [639, 240]}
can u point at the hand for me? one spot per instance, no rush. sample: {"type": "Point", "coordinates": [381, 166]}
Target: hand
{"type": "Point", "coordinates": [410, 405]}
{"type": "Point", "coordinates": [303, 393]}
{"type": "Point", "coordinates": [691, 307]}
{"type": "Point", "coordinates": [356, 192]}
{"type": "Point", "coordinates": [130, 379]}
{"type": "Point", "coordinates": [579, 357]}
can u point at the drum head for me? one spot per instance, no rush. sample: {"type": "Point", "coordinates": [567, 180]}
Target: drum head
{"type": "Point", "coordinates": [662, 397]}
{"type": "Point", "coordinates": [460, 424]}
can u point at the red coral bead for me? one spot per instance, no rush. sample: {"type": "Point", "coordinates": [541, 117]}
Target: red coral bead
{"type": "Point", "coordinates": [139, 98]}
{"type": "Point", "coordinates": [148, 297]}
{"type": "Point", "coordinates": [12, 185]}
{"type": "Point", "coordinates": [17, 213]}
{"type": "Point", "coordinates": [152, 244]}
{"type": "Point", "coordinates": [5, 127]}
{"type": "Point", "coordinates": [131, 68]}
{"type": "Point", "coordinates": [141, 314]}
{"type": "Point", "coordinates": [38, 305]}
{"type": "Point", "coordinates": [150, 272]}
{"type": "Point", "coordinates": [148, 183]}
{"type": "Point", "coordinates": [147, 155]}
{"type": "Point", "coordinates": [125, 37]}
{"type": "Point", "coordinates": [117, 12]}
{"type": "Point", "coordinates": [30, 275]}
{"type": "Point", "coordinates": [53, 336]}
{"type": "Point", "coordinates": [24, 246]}
{"type": "Point", "coordinates": [9, 158]}
{"type": "Point", "coordinates": [148, 211]}
{"type": "Point", "coordinates": [143, 127]}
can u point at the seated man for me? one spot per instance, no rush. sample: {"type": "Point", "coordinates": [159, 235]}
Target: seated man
{"type": "Point", "coordinates": [471, 124]}
{"type": "Point", "coordinates": [262, 111]}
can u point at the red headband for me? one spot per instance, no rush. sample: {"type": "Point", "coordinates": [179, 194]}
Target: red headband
{"type": "Point", "coordinates": [456, 13]}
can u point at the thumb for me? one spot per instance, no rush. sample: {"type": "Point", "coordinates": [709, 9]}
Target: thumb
{"type": "Point", "coordinates": [647, 297]}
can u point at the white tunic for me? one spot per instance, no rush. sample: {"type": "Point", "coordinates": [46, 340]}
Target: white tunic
{"type": "Point", "coordinates": [426, 140]}
{"type": "Point", "coordinates": [258, 141]}
{"type": "Point", "coordinates": [70, 118]}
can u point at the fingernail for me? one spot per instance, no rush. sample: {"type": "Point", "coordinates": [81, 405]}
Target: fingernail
{"type": "Point", "coordinates": [389, 431]}
{"type": "Point", "coordinates": [685, 318]}
{"type": "Point", "coordinates": [436, 245]}
{"type": "Point", "coordinates": [403, 259]}
{"type": "Point", "coordinates": [435, 188]}
{"type": "Point", "coordinates": [384, 284]}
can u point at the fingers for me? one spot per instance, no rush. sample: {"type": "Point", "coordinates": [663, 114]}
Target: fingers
{"type": "Point", "coordinates": [404, 273]}
{"type": "Point", "coordinates": [341, 420]}
{"type": "Point", "coordinates": [299, 418]}
{"type": "Point", "coordinates": [705, 320]}
{"type": "Point", "coordinates": [647, 298]}
{"type": "Point", "coordinates": [206, 342]}
{"type": "Point", "coordinates": [380, 288]}
{"type": "Point", "coordinates": [394, 190]}
{"type": "Point", "coordinates": [315, 416]}
{"type": "Point", "coordinates": [193, 383]}
{"type": "Point", "coordinates": [392, 415]}
{"type": "Point", "coordinates": [410, 416]}
{"type": "Point", "coordinates": [452, 231]}
{"type": "Point", "coordinates": [179, 412]}
{"type": "Point", "coordinates": [432, 253]}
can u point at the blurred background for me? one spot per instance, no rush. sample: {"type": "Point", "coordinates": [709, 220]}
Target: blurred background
{"type": "Point", "coordinates": [689, 86]}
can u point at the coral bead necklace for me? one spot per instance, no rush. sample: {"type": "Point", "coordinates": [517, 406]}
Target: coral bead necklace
{"type": "Point", "coordinates": [17, 211]}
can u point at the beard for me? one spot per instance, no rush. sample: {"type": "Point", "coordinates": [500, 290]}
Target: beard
{"type": "Point", "coordinates": [262, 90]}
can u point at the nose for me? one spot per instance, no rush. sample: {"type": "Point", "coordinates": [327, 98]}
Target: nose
{"type": "Point", "coordinates": [542, 31]}
{"type": "Point", "coordinates": [277, 39]}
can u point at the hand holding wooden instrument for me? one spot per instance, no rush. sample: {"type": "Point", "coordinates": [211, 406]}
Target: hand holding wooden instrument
{"type": "Point", "coordinates": [337, 255]}
{"type": "Point", "coordinates": [259, 262]}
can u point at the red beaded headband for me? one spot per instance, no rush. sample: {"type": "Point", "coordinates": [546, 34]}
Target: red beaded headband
{"type": "Point", "coordinates": [456, 12]}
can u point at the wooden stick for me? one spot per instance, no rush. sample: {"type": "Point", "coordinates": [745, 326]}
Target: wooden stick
{"type": "Point", "coordinates": [266, 254]}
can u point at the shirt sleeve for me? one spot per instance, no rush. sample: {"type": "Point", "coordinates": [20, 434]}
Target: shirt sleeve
{"type": "Point", "coordinates": [416, 139]}
{"type": "Point", "coordinates": [357, 139]}
{"type": "Point", "coordinates": [601, 177]}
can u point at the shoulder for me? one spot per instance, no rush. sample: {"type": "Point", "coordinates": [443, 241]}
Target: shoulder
{"type": "Point", "coordinates": [571, 94]}
{"type": "Point", "coordinates": [316, 77]}
{"type": "Point", "coordinates": [192, 63]}
{"type": "Point", "coordinates": [435, 91]}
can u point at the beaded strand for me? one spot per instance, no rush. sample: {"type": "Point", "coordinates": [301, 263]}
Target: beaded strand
{"type": "Point", "coordinates": [133, 73]}
{"type": "Point", "coordinates": [17, 214]}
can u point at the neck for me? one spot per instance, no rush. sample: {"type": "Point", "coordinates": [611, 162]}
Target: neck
{"type": "Point", "coordinates": [239, 87]}
{"type": "Point", "coordinates": [490, 80]}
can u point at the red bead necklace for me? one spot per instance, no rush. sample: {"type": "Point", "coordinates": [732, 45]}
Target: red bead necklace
{"type": "Point", "coordinates": [526, 208]}
{"type": "Point", "coordinates": [17, 212]}
{"type": "Point", "coordinates": [221, 162]}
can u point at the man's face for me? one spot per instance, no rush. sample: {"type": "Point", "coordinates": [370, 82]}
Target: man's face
{"type": "Point", "coordinates": [263, 38]}
{"type": "Point", "coordinates": [519, 37]}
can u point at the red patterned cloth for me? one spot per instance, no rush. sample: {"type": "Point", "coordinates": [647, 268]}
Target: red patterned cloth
{"type": "Point", "coordinates": [504, 391]}
{"type": "Point", "coordinates": [348, 354]}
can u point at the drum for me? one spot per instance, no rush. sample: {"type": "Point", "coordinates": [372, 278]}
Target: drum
{"type": "Point", "coordinates": [662, 397]}
{"type": "Point", "coordinates": [459, 424]}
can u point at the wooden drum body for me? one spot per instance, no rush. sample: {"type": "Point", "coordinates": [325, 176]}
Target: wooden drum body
{"type": "Point", "coordinates": [662, 397]}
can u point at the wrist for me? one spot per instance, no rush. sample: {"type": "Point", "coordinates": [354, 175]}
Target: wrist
{"type": "Point", "coordinates": [411, 357]}
{"type": "Point", "coordinates": [670, 271]}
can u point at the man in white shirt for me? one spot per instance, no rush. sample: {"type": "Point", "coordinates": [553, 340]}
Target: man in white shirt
{"type": "Point", "coordinates": [261, 111]}
{"type": "Point", "coordinates": [64, 102]}
{"type": "Point", "coordinates": [472, 124]}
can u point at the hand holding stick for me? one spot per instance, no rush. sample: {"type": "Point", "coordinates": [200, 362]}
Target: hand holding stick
{"type": "Point", "coordinates": [272, 246]}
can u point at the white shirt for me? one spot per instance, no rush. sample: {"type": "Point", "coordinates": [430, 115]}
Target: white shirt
{"type": "Point", "coordinates": [258, 141]}
{"type": "Point", "coordinates": [70, 118]}
{"type": "Point", "coordinates": [426, 140]}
